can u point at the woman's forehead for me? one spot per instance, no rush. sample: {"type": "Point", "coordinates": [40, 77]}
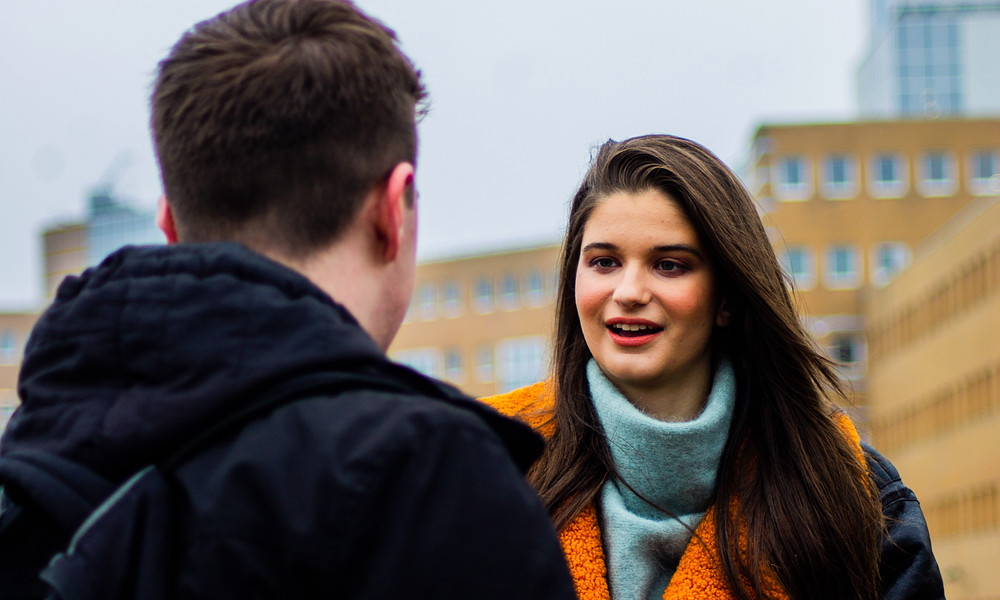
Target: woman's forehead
{"type": "Point", "coordinates": [648, 215]}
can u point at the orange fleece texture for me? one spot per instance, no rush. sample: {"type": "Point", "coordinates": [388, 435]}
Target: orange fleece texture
{"type": "Point", "coordinates": [698, 575]}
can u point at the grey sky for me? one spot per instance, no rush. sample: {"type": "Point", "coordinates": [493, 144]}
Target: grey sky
{"type": "Point", "coordinates": [520, 93]}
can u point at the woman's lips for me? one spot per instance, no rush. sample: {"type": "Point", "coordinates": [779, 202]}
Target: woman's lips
{"type": "Point", "coordinates": [632, 332]}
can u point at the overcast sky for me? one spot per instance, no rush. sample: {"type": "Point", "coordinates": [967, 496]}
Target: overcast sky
{"type": "Point", "coordinates": [521, 91]}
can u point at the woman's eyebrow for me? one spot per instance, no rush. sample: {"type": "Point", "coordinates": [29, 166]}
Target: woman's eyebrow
{"type": "Point", "coordinates": [658, 249]}
{"type": "Point", "coordinates": [599, 246]}
{"type": "Point", "coordinates": [679, 248]}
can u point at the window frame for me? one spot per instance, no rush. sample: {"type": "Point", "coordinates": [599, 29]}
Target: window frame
{"type": "Point", "coordinates": [792, 192]}
{"type": "Point", "coordinates": [426, 304]}
{"type": "Point", "coordinates": [847, 189]}
{"type": "Point", "coordinates": [834, 280]}
{"type": "Point", "coordinates": [451, 299]}
{"type": "Point", "coordinates": [807, 280]}
{"type": "Point", "coordinates": [984, 186]}
{"type": "Point", "coordinates": [483, 304]}
{"type": "Point", "coordinates": [937, 187]}
{"type": "Point", "coordinates": [510, 292]}
{"type": "Point", "coordinates": [879, 188]}
{"type": "Point", "coordinates": [879, 275]}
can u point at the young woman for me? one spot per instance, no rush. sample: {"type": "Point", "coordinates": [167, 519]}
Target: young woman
{"type": "Point", "coordinates": [695, 449]}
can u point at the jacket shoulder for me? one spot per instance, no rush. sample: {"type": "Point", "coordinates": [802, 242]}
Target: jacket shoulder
{"type": "Point", "coordinates": [908, 568]}
{"type": "Point", "coordinates": [352, 485]}
{"type": "Point", "coordinates": [531, 404]}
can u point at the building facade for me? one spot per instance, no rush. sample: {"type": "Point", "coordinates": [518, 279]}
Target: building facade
{"type": "Point", "coordinates": [930, 58]}
{"type": "Point", "coordinates": [482, 322]}
{"type": "Point", "coordinates": [934, 391]}
{"type": "Point", "coordinates": [65, 250]}
{"type": "Point", "coordinates": [846, 204]}
{"type": "Point", "coordinates": [14, 330]}
{"type": "Point", "coordinates": [112, 224]}
{"type": "Point", "coordinates": [109, 225]}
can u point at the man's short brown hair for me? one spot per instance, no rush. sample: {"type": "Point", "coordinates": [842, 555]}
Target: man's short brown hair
{"type": "Point", "coordinates": [272, 121]}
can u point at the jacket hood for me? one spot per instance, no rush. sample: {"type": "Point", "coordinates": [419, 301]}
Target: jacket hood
{"type": "Point", "coordinates": [144, 351]}
{"type": "Point", "coordinates": [155, 341]}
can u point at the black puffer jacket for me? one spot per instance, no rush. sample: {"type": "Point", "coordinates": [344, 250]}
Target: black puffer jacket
{"type": "Point", "coordinates": [369, 494]}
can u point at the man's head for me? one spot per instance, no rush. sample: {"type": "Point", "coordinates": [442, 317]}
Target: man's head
{"type": "Point", "coordinates": [275, 120]}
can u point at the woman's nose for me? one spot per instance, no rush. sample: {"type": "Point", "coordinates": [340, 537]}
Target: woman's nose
{"type": "Point", "coordinates": [632, 288]}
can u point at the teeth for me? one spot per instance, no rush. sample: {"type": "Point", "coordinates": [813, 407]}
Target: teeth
{"type": "Point", "coordinates": [633, 327]}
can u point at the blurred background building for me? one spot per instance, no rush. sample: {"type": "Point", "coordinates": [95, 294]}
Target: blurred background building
{"type": "Point", "coordinates": [482, 322]}
{"type": "Point", "coordinates": [846, 203]}
{"type": "Point", "coordinates": [934, 390]}
{"type": "Point", "coordinates": [14, 329]}
{"type": "Point", "coordinates": [890, 232]}
{"type": "Point", "coordinates": [931, 58]}
{"type": "Point", "coordinates": [110, 224]}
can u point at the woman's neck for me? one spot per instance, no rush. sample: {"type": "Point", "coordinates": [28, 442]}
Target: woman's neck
{"type": "Point", "coordinates": [678, 399]}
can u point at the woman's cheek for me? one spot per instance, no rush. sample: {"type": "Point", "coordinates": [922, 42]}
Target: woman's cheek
{"type": "Point", "coordinates": [588, 298]}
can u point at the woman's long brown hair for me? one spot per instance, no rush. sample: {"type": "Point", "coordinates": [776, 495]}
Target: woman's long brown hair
{"type": "Point", "coordinates": [805, 501]}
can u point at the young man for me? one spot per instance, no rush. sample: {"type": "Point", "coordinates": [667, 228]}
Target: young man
{"type": "Point", "coordinates": [286, 136]}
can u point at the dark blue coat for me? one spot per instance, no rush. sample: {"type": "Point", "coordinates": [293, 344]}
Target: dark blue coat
{"type": "Point", "coordinates": [908, 570]}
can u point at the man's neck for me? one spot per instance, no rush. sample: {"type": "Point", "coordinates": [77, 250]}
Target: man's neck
{"type": "Point", "coordinates": [346, 274]}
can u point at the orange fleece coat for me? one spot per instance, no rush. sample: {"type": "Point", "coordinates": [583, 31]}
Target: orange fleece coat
{"type": "Point", "coordinates": [698, 575]}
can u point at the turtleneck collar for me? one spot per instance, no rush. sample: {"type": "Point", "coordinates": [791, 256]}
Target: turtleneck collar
{"type": "Point", "coordinates": [685, 454]}
{"type": "Point", "coordinates": [671, 464]}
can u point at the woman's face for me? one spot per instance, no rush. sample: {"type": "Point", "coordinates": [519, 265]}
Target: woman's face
{"type": "Point", "coordinates": [646, 293]}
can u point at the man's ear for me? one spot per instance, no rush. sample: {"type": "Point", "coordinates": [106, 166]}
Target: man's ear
{"type": "Point", "coordinates": [723, 315]}
{"type": "Point", "coordinates": [165, 220]}
{"type": "Point", "coordinates": [391, 204]}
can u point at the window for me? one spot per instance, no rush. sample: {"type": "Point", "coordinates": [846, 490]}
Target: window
{"type": "Point", "coordinates": [888, 258]}
{"type": "Point", "coordinates": [509, 292]}
{"type": "Point", "coordinates": [847, 349]}
{"type": "Point", "coordinates": [519, 362]}
{"type": "Point", "coordinates": [937, 178]}
{"type": "Point", "coordinates": [484, 363]}
{"type": "Point", "coordinates": [839, 179]}
{"type": "Point", "coordinates": [534, 289]}
{"type": "Point", "coordinates": [842, 269]}
{"type": "Point", "coordinates": [793, 180]}
{"type": "Point", "coordinates": [452, 303]}
{"type": "Point", "coordinates": [984, 167]}
{"type": "Point", "coordinates": [9, 348]}
{"type": "Point", "coordinates": [928, 51]}
{"type": "Point", "coordinates": [886, 169]}
{"type": "Point", "coordinates": [800, 264]}
{"type": "Point", "coordinates": [5, 414]}
{"type": "Point", "coordinates": [836, 171]}
{"type": "Point", "coordinates": [934, 167]}
{"type": "Point", "coordinates": [453, 366]}
{"type": "Point", "coordinates": [792, 171]}
{"type": "Point", "coordinates": [425, 302]}
{"type": "Point", "coordinates": [482, 296]}
{"type": "Point", "coordinates": [888, 175]}
{"type": "Point", "coordinates": [844, 349]}
{"type": "Point", "coordinates": [425, 360]}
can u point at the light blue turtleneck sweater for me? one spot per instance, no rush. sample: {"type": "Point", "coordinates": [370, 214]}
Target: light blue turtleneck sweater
{"type": "Point", "coordinates": [673, 464]}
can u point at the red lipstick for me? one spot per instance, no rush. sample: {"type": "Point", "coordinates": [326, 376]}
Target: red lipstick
{"type": "Point", "coordinates": [632, 332]}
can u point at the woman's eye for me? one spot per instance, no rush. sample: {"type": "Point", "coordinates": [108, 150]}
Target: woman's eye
{"type": "Point", "coordinates": [603, 263]}
{"type": "Point", "coordinates": [669, 266]}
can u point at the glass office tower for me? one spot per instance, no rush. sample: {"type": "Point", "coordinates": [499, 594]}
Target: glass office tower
{"type": "Point", "coordinates": [928, 58]}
